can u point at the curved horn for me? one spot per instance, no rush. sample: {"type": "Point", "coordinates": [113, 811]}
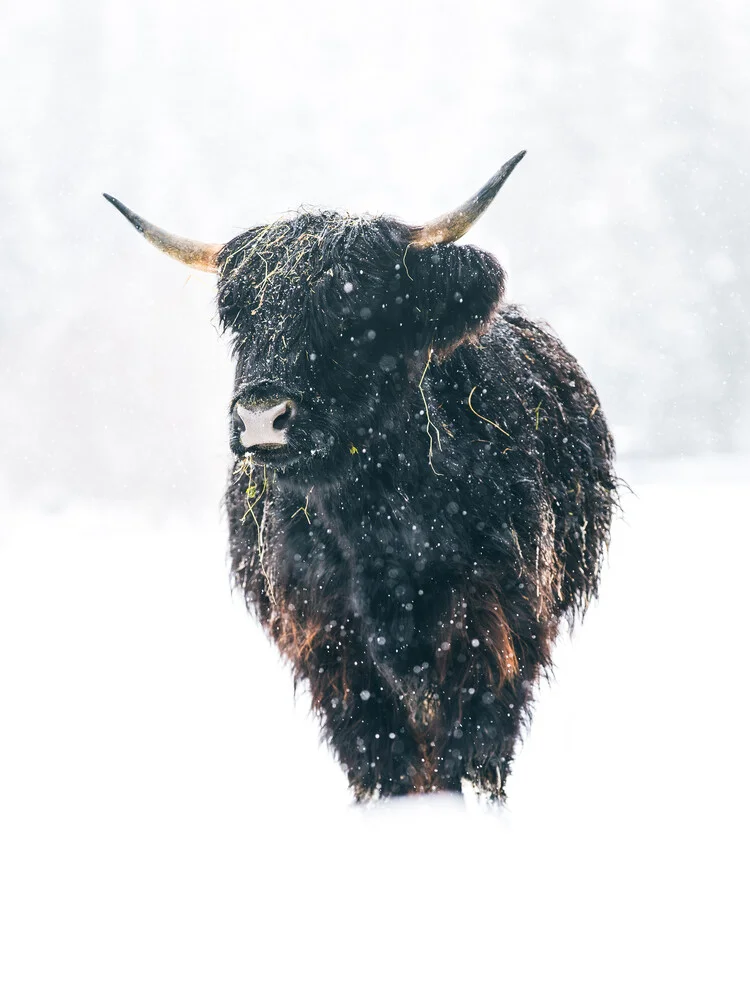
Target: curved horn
{"type": "Point", "coordinates": [452, 226]}
{"type": "Point", "coordinates": [202, 256]}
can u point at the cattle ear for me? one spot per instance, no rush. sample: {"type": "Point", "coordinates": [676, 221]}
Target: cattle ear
{"type": "Point", "coordinates": [454, 290]}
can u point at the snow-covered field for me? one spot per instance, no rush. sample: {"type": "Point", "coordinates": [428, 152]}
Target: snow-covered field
{"type": "Point", "coordinates": [152, 849]}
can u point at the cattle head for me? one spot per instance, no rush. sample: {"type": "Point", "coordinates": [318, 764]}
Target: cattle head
{"type": "Point", "coordinates": [331, 318]}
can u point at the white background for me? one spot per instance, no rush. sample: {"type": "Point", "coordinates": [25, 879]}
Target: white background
{"type": "Point", "coordinates": [149, 845]}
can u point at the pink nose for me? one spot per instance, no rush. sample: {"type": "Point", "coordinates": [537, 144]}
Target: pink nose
{"type": "Point", "coordinates": [264, 425]}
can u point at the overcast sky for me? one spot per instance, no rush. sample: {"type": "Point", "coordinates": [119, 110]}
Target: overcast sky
{"type": "Point", "coordinates": [625, 227]}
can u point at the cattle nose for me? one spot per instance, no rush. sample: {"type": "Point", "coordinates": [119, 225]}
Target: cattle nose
{"type": "Point", "coordinates": [262, 424]}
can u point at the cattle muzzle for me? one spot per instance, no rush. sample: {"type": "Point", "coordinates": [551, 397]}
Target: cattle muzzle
{"type": "Point", "coordinates": [262, 424]}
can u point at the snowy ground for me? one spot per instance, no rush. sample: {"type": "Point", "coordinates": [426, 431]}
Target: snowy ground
{"type": "Point", "coordinates": [150, 848]}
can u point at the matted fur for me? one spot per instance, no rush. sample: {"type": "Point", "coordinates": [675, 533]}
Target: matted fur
{"type": "Point", "coordinates": [444, 501]}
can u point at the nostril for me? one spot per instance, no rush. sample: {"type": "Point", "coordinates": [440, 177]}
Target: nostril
{"type": "Point", "coordinates": [261, 425]}
{"type": "Point", "coordinates": [285, 418]}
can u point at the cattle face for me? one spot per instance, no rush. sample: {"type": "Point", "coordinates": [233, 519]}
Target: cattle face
{"type": "Point", "coordinates": [330, 317]}
{"type": "Point", "coordinates": [329, 314]}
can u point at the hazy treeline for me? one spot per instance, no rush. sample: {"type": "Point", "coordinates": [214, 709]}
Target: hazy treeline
{"type": "Point", "coordinates": [625, 227]}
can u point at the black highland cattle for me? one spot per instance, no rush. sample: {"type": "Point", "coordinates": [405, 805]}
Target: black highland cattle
{"type": "Point", "coordinates": [422, 486]}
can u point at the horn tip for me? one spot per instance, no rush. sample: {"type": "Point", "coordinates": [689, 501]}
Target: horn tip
{"type": "Point", "coordinates": [515, 160]}
{"type": "Point", "coordinates": [132, 218]}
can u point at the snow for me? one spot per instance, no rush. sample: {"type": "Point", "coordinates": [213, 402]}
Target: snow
{"type": "Point", "coordinates": [151, 847]}
{"type": "Point", "coordinates": [148, 845]}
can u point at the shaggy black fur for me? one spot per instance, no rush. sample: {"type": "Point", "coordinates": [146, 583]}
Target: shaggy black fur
{"type": "Point", "coordinates": [444, 500]}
